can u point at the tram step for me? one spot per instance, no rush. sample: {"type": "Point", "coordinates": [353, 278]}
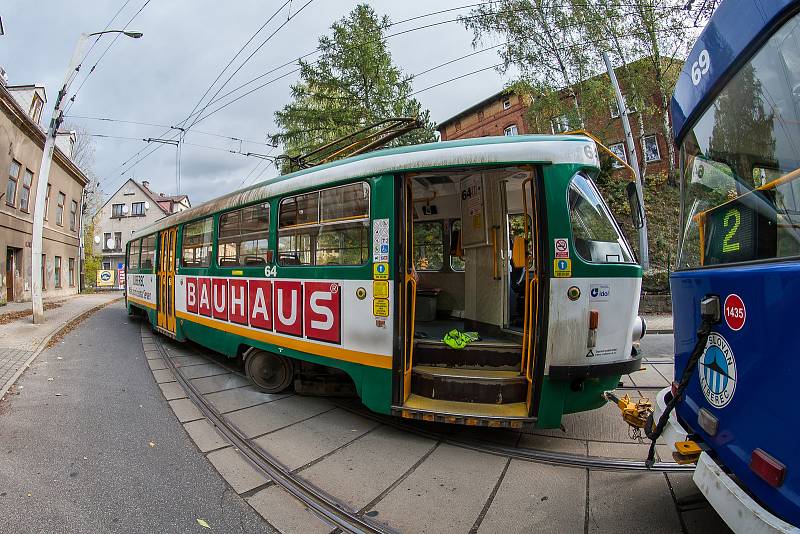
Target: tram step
{"type": "Point", "coordinates": [473, 356]}
{"type": "Point", "coordinates": [468, 413]}
{"type": "Point", "coordinates": [468, 385]}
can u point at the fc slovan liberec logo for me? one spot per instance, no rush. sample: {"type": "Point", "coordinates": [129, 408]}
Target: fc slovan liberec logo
{"type": "Point", "coordinates": [717, 371]}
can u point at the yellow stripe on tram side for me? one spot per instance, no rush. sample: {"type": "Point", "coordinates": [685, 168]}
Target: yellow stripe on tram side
{"type": "Point", "coordinates": [142, 302]}
{"type": "Point", "coordinates": [335, 353]}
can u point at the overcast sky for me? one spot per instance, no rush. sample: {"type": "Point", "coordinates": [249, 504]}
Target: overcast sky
{"type": "Point", "coordinates": [159, 78]}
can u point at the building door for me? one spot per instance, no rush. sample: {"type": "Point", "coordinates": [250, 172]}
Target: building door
{"type": "Point", "coordinates": [9, 274]}
{"type": "Point", "coordinates": [166, 279]}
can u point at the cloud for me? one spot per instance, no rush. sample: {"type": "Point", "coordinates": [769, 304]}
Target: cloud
{"type": "Point", "coordinates": [159, 78]}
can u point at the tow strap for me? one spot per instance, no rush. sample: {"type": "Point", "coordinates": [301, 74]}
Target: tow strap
{"type": "Point", "coordinates": [458, 340]}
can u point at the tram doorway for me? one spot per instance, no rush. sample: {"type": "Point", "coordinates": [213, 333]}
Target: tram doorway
{"type": "Point", "coordinates": [469, 291]}
{"type": "Point", "coordinates": [166, 280]}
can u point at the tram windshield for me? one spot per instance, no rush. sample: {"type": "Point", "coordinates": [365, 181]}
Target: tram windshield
{"type": "Point", "coordinates": [741, 175]}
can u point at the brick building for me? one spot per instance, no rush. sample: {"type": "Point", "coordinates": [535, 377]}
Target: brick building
{"type": "Point", "coordinates": [506, 113]}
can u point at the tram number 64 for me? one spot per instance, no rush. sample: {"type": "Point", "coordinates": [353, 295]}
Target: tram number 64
{"type": "Point", "coordinates": [734, 214]}
{"type": "Point", "coordinates": [270, 271]}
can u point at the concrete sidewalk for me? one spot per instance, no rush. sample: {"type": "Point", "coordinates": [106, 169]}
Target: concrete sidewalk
{"type": "Point", "coordinates": [21, 340]}
{"type": "Point", "coordinates": [658, 323]}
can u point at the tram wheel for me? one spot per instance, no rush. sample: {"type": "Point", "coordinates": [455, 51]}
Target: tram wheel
{"type": "Point", "coordinates": [269, 372]}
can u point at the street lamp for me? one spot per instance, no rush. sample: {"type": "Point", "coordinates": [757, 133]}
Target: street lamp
{"type": "Point", "coordinates": [44, 171]}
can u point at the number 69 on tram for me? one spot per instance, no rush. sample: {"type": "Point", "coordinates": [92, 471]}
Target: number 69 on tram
{"type": "Point", "coordinates": [366, 272]}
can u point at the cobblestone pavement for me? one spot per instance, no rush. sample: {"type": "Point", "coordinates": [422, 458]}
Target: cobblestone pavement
{"type": "Point", "coordinates": [20, 340]}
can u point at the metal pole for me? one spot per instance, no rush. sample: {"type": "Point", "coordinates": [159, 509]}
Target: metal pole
{"type": "Point", "coordinates": [644, 256]}
{"type": "Point", "coordinates": [41, 186]}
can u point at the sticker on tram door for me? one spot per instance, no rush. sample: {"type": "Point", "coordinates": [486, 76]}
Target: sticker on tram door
{"type": "Point", "coordinates": [562, 268]}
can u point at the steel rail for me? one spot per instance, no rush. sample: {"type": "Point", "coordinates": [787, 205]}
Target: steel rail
{"type": "Point", "coordinates": [563, 459]}
{"type": "Point", "coordinates": [323, 505]}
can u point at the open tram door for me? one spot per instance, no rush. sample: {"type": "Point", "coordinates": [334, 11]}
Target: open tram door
{"type": "Point", "coordinates": [468, 337]}
{"type": "Point", "coordinates": [165, 280]}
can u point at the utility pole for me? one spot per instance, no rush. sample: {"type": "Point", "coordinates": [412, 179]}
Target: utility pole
{"type": "Point", "coordinates": [44, 172]}
{"type": "Point", "coordinates": [644, 256]}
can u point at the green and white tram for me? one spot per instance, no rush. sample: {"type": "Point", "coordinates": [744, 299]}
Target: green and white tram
{"type": "Point", "coordinates": [481, 282]}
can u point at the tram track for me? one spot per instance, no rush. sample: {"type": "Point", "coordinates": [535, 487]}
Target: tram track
{"type": "Point", "coordinates": [322, 504]}
{"type": "Point", "coordinates": [555, 458]}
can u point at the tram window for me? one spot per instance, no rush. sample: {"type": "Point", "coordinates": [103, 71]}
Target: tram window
{"type": "Point", "coordinates": [595, 234]}
{"type": "Point", "coordinates": [133, 255]}
{"type": "Point", "coordinates": [197, 237]}
{"type": "Point", "coordinates": [456, 263]}
{"type": "Point", "coordinates": [148, 252]}
{"type": "Point", "coordinates": [428, 246]}
{"type": "Point", "coordinates": [243, 237]}
{"type": "Point", "coordinates": [327, 227]}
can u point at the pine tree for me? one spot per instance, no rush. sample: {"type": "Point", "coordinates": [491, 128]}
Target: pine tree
{"type": "Point", "coordinates": [353, 84]}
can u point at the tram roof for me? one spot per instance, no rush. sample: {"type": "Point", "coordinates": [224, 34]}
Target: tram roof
{"type": "Point", "coordinates": [736, 31]}
{"type": "Point", "coordinates": [551, 149]}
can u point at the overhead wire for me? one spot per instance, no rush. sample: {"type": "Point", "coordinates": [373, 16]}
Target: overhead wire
{"type": "Point", "coordinates": [199, 117]}
{"type": "Point", "coordinates": [114, 40]}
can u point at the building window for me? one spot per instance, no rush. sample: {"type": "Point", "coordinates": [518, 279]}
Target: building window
{"type": "Point", "coordinates": [507, 103]}
{"type": "Point", "coordinates": [71, 272]}
{"type": "Point", "coordinates": [106, 239]}
{"type": "Point", "coordinates": [11, 187]}
{"type": "Point", "coordinates": [46, 201]}
{"type": "Point", "coordinates": [36, 108]}
{"type": "Point", "coordinates": [651, 151]}
{"type": "Point", "coordinates": [117, 240]}
{"type": "Point", "coordinates": [197, 237]}
{"type": "Point", "coordinates": [44, 272]}
{"type": "Point", "coordinates": [116, 210]}
{"type": "Point", "coordinates": [62, 198]}
{"type": "Point", "coordinates": [137, 209]}
{"type": "Point", "coordinates": [25, 192]}
{"type": "Point", "coordinates": [511, 130]}
{"type": "Point", "coordinates": [106, 265]}
{"type": "Point", "coordinates": [57, 271]}
{"type": "Point", "coordinates": [73, 215]}
{"type": "Point", "coordinates": [428, 246]}
{"type": "Point", "coordinates": [243, 237]}
{"type": "Point", "coordinates": [133, 255]}
{"type": "Point", "coordinates": [327, 227]}
{"type": "Point", "coordinates": [148, 252]}
{"type": "Point", "coordinates": [619, 150]}
{"type": "Point", "coordinates": [560, 124]}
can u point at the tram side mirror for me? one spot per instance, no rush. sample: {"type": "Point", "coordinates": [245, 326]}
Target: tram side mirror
{"type": "Point", "coordinates": [637, 216]}
{"type": "Point", "coordinates": [518, 252]}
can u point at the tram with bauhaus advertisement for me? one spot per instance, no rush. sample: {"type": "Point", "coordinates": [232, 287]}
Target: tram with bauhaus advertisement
{"type": "Point", "coordinates": [736, 114]}
{"type": "Point", "coordinates": [481, 282]}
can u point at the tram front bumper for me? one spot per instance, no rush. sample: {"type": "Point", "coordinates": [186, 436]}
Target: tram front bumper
{"type": "Point", "coordinates": [739, 511]}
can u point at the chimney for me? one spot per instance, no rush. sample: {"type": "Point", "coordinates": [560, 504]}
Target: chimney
{"type": "Point", "coordinates": [146, 184]}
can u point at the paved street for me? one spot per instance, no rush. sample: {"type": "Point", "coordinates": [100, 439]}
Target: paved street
{"type": "Point", "coordinates": [76, 454]}
{"type": "Point", "coordinates": [120, 448]}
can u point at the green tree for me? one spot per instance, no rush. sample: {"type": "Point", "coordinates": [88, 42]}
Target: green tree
{"type": "Point", "coordinates": [353, 84]}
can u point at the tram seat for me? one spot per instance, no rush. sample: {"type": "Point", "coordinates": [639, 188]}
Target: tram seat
{"type": "Point", "coordinates": [228, 262]}
{"type": "Point", "coordinates": [254, 260]}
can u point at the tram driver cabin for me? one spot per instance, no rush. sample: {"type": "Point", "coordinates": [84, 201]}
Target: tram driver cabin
{"type": "Point", "coordinates": [364, 271]}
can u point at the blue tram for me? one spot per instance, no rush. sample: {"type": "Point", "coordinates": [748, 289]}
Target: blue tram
{"type": "Point", "coordinates": [736, 114]}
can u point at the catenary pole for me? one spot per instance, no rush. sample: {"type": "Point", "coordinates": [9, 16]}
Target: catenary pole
{"type": "Point", "coordinates": [44, 171]}
{"type": "Point", "coordinates": [644, 256]}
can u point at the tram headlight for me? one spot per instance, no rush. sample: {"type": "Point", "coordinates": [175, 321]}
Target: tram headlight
{"type": "Point", "coordinates": [639, 329]}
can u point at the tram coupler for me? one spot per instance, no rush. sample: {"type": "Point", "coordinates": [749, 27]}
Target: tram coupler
{"type": "Point", "coordinates": [635, 414]}
{"type": "Point", "coordinates": [686, 452]}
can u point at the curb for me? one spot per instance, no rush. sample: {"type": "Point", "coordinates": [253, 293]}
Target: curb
{"type": "Point", "coordinates": [43, 345]}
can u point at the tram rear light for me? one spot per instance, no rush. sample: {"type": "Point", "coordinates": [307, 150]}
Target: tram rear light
{"type": "Point", "coordinates": [594, 319]}
{"type": "Point", "coordinates": [768, 468]}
